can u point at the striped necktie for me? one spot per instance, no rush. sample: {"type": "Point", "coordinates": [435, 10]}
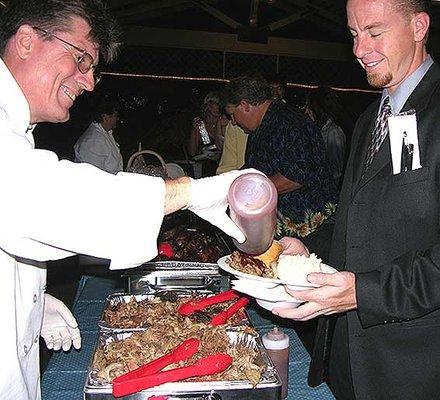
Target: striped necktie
{"type": "Point", "coordinates": [380, 131]}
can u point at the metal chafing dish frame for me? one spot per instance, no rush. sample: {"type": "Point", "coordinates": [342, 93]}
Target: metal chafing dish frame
{"type": "Point", "coordinates": [169, 275]}
{"type": "Point", "coordinates": [269, 387]}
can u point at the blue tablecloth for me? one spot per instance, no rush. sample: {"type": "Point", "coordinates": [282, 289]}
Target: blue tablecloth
{"type": "Point", "coordinates": [65, 375]}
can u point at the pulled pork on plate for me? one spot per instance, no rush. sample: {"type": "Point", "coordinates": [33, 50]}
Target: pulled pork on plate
{"type": "Point", "coordinates": [251, 265]}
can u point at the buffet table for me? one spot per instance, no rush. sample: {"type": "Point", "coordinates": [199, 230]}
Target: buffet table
{"type": "Point", "coordinates": [66, 372]}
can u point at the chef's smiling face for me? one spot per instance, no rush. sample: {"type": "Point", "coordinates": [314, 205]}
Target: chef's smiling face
{"type": "Point", "coordinates": [58, 80]}
{"type": "Point", "coordinates": [386, 42]}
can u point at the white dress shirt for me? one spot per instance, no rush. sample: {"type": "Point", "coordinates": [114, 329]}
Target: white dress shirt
{"type": "Point", "coordinates": [44, 216]}
{"type": "Point", "coordinates": [98, 147]}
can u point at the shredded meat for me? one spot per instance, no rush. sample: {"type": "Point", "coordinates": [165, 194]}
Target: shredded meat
{"type": "Point", "coordinates": [250, 265]}
{"type": "Point", "coordinates": [167, 330]}
{"type": "Point", "coordinates": [145, 313]}
{"type": "Point", "coordinates": [119, 357]}
{"type": "Point", "coordinates": [133, 314]}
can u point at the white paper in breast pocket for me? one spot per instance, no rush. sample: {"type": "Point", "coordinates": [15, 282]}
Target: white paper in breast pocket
{"type": "Point", "coordinates": [403, 129]}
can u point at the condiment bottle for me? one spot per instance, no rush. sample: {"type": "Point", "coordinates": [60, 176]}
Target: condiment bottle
{"type": "Point", "coordinates": [253, 207]}
{"type": "Point", "coordinates": [277, 344]}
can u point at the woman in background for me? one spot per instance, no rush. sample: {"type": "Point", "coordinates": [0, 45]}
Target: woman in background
{"type": "Point", "coordinates": [207, 130]}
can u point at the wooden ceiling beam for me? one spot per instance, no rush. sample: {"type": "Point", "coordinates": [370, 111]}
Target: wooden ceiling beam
{"type": "Point", "coordinates": [289, 20]}
{"type": "Point", "coordinates": [214, 41]}
{"type": "Point", "coordinates": [284, 6]}
{"type": "Point", "coordinates": [144, 8]}
{"type": "Point", "coordinates": [217, 14]}
{"type": "Point", "coordinates": [322, 11]}
{"type": "Point", "coordinates": [142, 18]}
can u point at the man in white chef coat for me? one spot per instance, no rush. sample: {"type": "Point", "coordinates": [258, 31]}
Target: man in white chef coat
{"type": "Point", "coordinates": [49, 50]}
{"type": "Point", "coordinates": [97, 145]}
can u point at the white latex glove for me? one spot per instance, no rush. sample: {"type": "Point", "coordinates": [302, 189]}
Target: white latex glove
{"type": "Point", "coordinates": [60, 329]}
{"type": "Point", "coordinates": [209, 200]}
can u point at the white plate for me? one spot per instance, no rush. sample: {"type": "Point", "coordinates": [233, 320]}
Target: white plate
{"type": "Point", "coordinates": [267, 298]}
{"type": "Point", "coordinates": [270, 305]}
{"type": "Point", "coordinates": [261, 292]}
{"type": "Point", "coordinates": [270, 282]}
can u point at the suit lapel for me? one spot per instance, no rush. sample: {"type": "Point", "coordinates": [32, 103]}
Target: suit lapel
{"type": "Point", "coordinates": [362, 148]}
{"type": "Point", "coordinates": [380, 160]}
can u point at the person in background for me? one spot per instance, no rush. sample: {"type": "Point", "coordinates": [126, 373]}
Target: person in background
{"type": "Point", "coordinates": [319, 106]}
{"type": "Point", "coordinates": [382, 333]}
{"type": "Point", "coordinates": [204, 129]}
{"type": "Point", "coordinates": [278, 87]}
{"type": "Point", "coordinates": [288, 148]}
{"type": "Point", "coordinates": [49, 53]}
{"type": "Point", "coordinates": [234, 149]}
{"type": "Point", "coordinates": [97, 145]}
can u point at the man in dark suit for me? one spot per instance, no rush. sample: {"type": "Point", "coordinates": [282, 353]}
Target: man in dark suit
{"type": "Point", "coordinates": [383, 340]}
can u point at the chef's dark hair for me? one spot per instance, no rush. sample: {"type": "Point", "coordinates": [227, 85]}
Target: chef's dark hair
{"type": "Point", "coordinates": [54, 16]}
{"type": "Point", "coordinates": [105, 106]}
{"type": "Point", "coordinates": [252, 89]}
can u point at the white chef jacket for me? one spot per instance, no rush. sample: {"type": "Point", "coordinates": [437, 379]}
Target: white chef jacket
{"type": "Point", "coordinates": [98, 147]}
{"type": "Point", "coordinates": [43, 216]}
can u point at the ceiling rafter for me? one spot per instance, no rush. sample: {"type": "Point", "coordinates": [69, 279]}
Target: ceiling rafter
{"type": "Point", "coordinates": [217, 14]}
{"type": "Point", "coordinates": [138, 8]}
{"type": "Point", "coordinates": [289, 20]}
{"type": "Point", "coordinates": [142, 18]}
{"type": "Point", "coordinates": [325, 13]}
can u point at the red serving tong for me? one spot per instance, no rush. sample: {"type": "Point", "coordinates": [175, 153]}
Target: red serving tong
{"type": "Point", "coordinates": [223, 316]}
{"type": "Point", "coordinates": [148, 376]}
{"type": "Point", "coordinates": [192, 306]}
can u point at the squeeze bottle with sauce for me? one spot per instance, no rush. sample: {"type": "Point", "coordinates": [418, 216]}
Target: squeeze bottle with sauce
{"type": "Point", "coordinates": [276, 343]}
{"type": "Point", "coordinates": [253, 207]}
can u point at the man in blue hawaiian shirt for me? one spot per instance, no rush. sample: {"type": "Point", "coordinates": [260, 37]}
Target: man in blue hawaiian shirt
{"type": "Point", "coordinates": [286, 146]}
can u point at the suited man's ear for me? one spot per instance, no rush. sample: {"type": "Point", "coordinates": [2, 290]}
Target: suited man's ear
{"type": "Point", "coordinates": [421, 22]}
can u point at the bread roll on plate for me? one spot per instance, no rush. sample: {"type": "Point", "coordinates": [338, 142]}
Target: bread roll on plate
{"type": "Point", "coordinates": [271, 254]}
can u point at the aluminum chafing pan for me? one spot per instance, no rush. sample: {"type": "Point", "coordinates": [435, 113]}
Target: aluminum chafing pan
{"type": "Point", "coordinates": [118, 298]}
{"type": "Point", "coordinates": [269, 387]}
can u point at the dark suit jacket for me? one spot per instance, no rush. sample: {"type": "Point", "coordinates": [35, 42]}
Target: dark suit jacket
{"type": "Point", "coordinates": [388, 233]}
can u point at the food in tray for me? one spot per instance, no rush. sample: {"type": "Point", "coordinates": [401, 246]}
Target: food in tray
{"type": "Point", "coordinates": [186, 244]}
{"type": "Point", "coordinates": [145, 313]}
{"type": "Point", "coordinates": [280, 268]}
{"type": "Point", "coordinates": [116, 357]}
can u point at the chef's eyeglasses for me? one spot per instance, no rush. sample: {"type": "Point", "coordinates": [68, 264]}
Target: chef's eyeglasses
{"type": "Point", "coordinates": [84, 61]}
